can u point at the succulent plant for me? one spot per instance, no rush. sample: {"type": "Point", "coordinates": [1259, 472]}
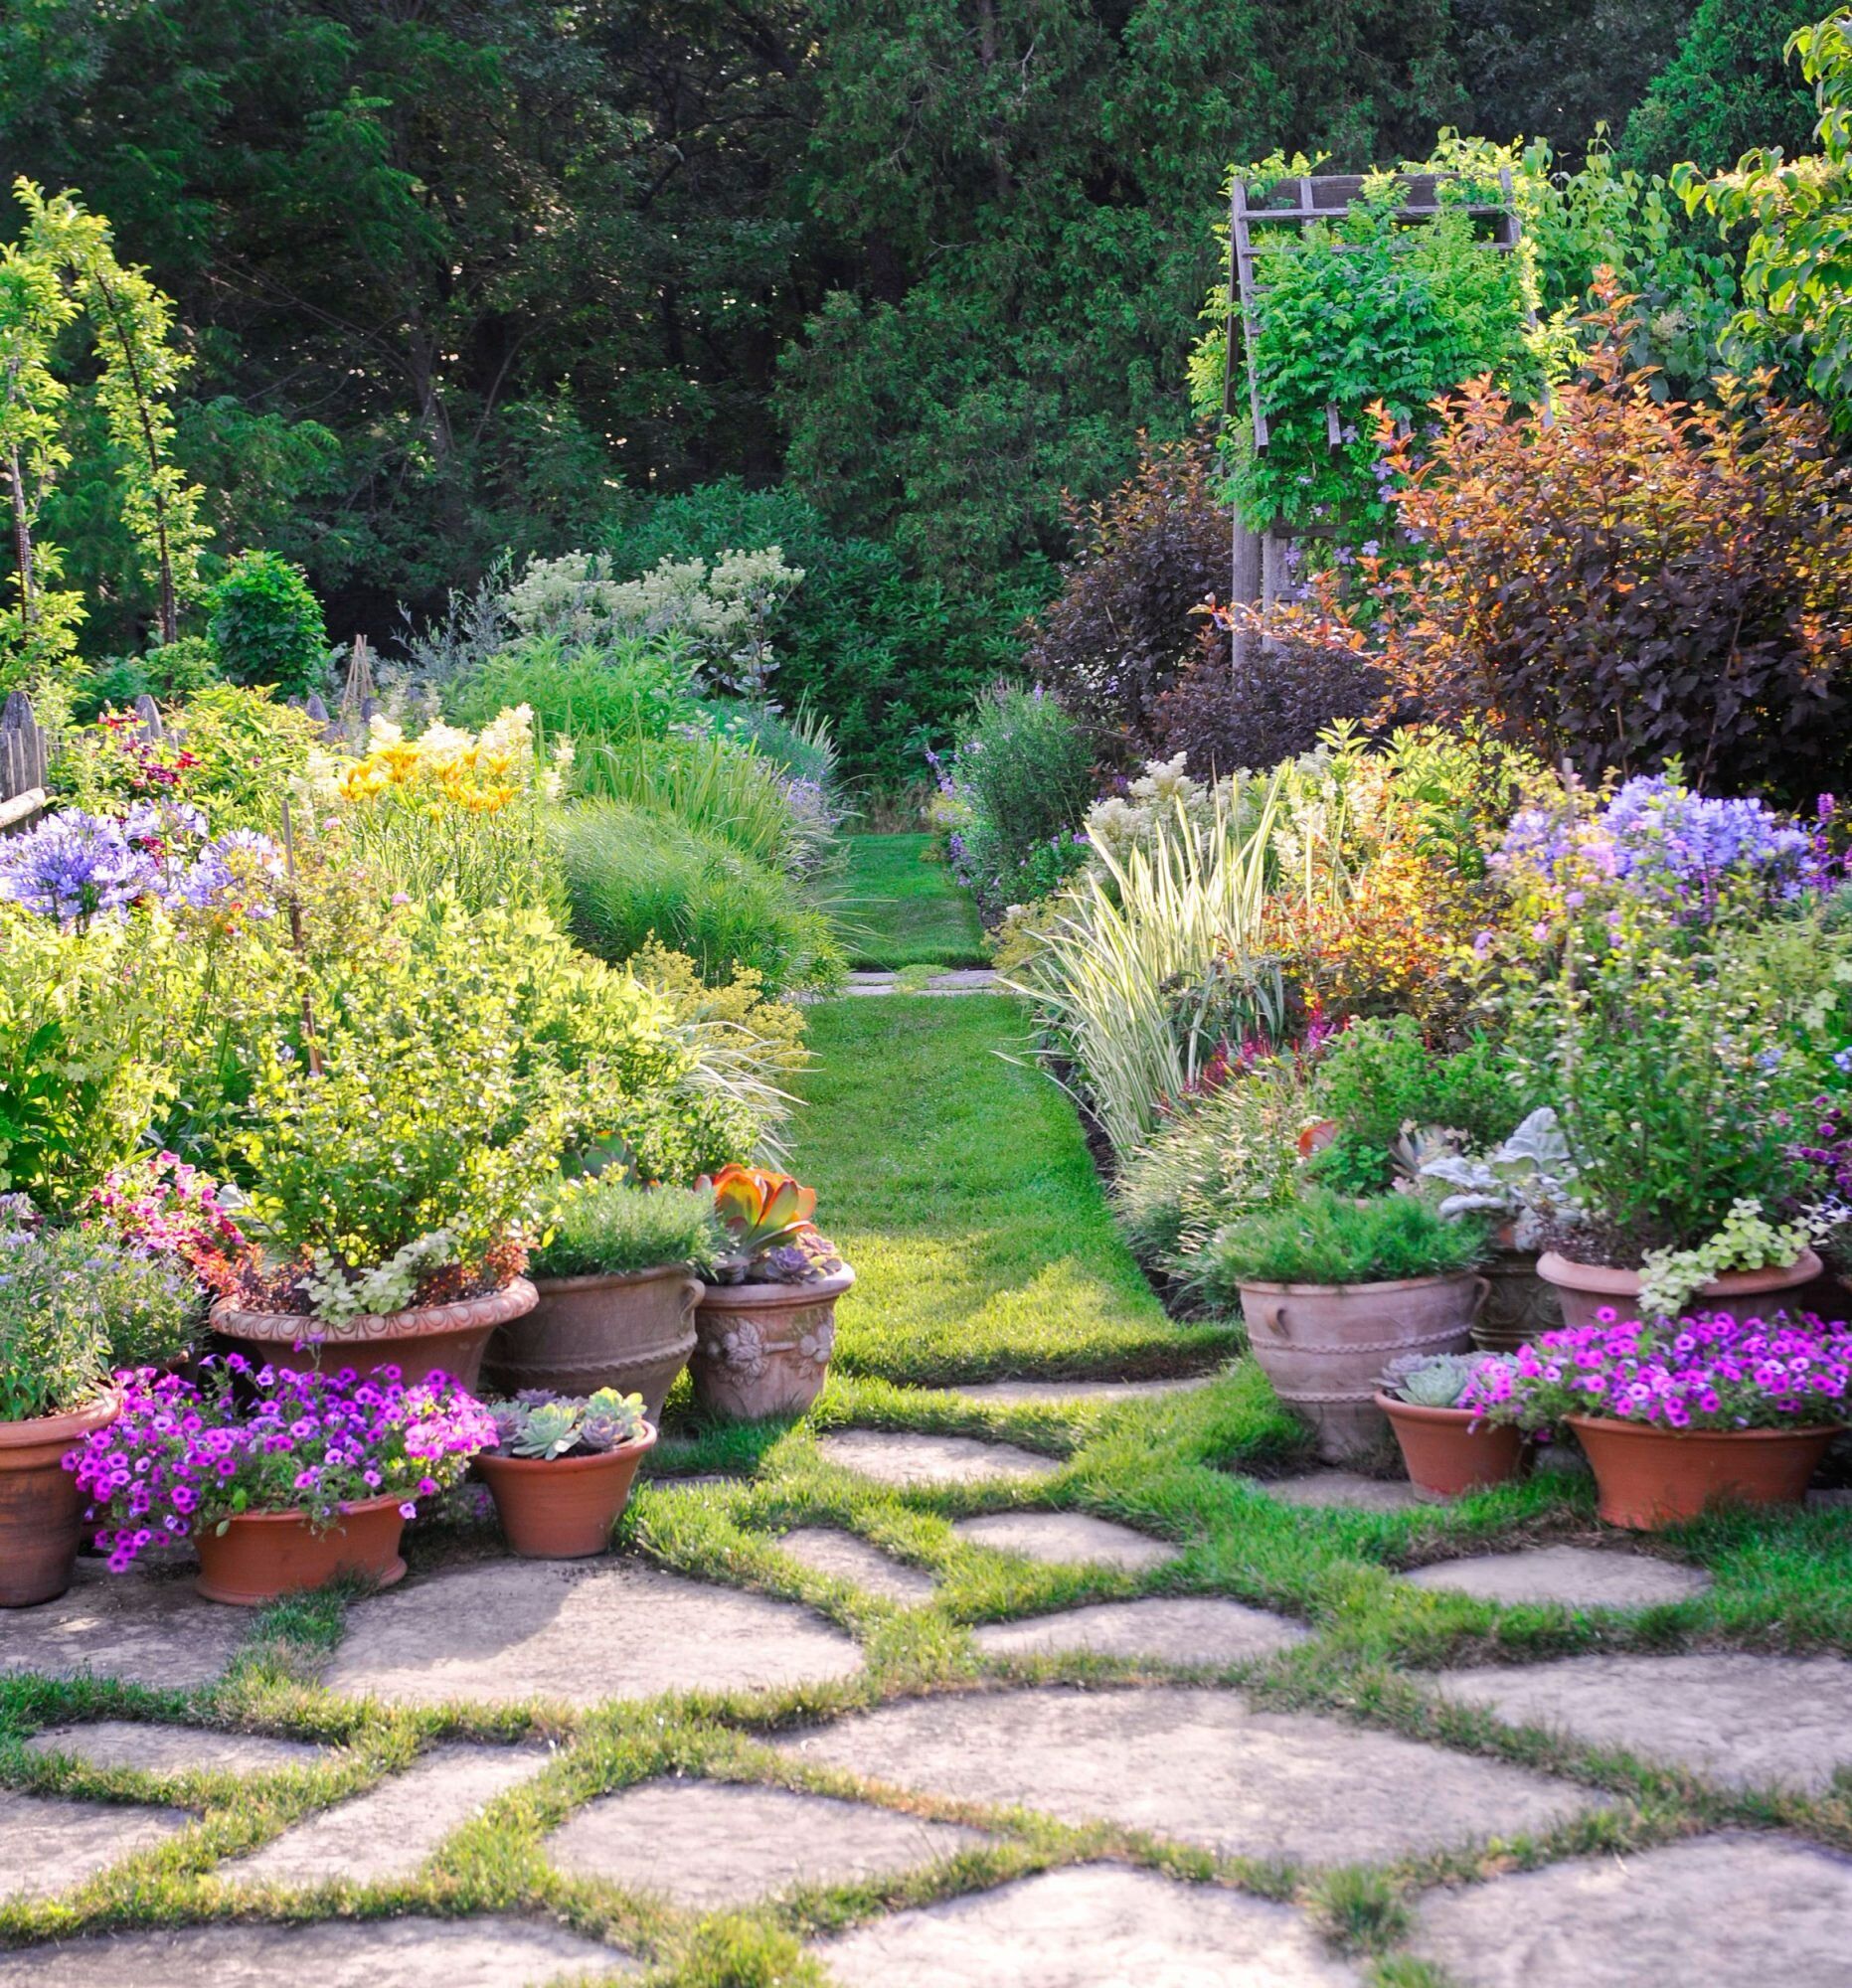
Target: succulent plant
{"type": "Point", "coordinates": [1434, 1380]}
{"type": "Point", "coordinates": [544, 1426]}
{"type": "Point", "coordinates": [769, 1234]}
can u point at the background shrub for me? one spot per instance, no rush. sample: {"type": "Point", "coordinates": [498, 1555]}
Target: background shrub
{"type": "Point", "coordinates": [1273, 708]}
{"type": "Point", "coordinates": [266, 625]}
{"type": "Point", "coordinates": [636, 688]}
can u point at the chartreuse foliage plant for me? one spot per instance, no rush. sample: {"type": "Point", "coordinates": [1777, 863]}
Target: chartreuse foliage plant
{"type": "Point", "coordinates": [608, 1226]}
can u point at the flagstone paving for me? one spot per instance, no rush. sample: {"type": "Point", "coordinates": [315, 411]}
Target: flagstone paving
{"type": "Point", "coordinates": [149, 1628]}
{"type": "Point", "coordinates": [1170, 1629]}
{"type": "Point", "coordinates": [1087, 1928]}
{"type": "Point", "coordinates": [49, 1844]}
{"type": "Point", "coordinates": [829, 1549]}
{"type": "Point", "coordinates": [391, 1829]}
{"type": "Point", "coordinates": [1726, 1911]}
{"type": "Point", "coordinates": [174, 1750]}
{"type": "Point", "coordinates": [1575, 1577]}
{"type": "Point", "coordinates": [1007, 1392]}
{"type": "Point", "coordinates": [582, 1631]}
{"type": "Point", "coordinates": [337, 1953]}
{"type": "Point", "coordinates": [1344, 1490]}
{"type": "Point", "coordinates": [711, 1844]}
{"type": "Point", "coordinates": [1067, 1539]}
{"type": "Point", "coordinates": [892, 1459]}
{"type": "Point", "coordinates": [1744, 1721]}
{"type": "Point", "coordinates": [1196, 1765]}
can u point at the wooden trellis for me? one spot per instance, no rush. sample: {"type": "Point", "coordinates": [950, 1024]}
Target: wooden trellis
{"type": "Point", "coordinates": [1277, 214]}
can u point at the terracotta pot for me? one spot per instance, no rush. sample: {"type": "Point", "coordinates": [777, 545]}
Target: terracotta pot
{"type": "Point", "coordinates": [1451, 1452]}
{"type": "Point", "coordinates": [1323, 1346]}
{"type": "Point", "coordinates": [633, 1333]}
{"type": "Point", "coordinates": [41, 1507]}
{"type": "Point", "coordinates": [1518, 1303]}
{"type": "Point", "coordinates": [763, 1349]}
{"type": "Point", "coordinates": [1583, 1289]}
{"type": "Point", "coordinates": [432, 1338]}
{"type": "Point", "coordinates": [1648, 1477]}
{"type": "Point", "coordinates": [565, 1509]}
{"type": "Point", "coordinates": [261, 1554]}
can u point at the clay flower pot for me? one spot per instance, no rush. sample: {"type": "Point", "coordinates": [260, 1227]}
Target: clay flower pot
{"type": "Point", "coordinates": [1323, 1346]}
{"type": "Point", "coordinates": [1582, 1289]}
{"type": "Point", "coordinates": [564, 1509]}
{"type": "Point", "coordinates": [633, 1333]}
{"type": "Point", "coordinates": [41, 1507]}
{"type": "Point", "coordinates": [1450, 1451]}
{"type": "Point", "coordinates": [1647, 1477]}
{"type": "Point", "coordinates": [261, 1554]}
{"type": "Point", "coordinates": [431, 1339]}
{"type": "Point", "coordinates": [763, 1349]}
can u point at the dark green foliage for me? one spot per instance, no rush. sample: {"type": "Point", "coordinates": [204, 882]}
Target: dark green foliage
{"type": "Point", "coordinates": [266, 625]}
{"type": "Point", "coordinates": [167, 674]}
{"type": "Point", "coordinates": [1332, 1238]}
{"type": "Point", "coordinates": [634, 875]}
{"type": "Point", "coordinates": [1382, 1076]}
{"type": "Point", "coordinates": [1730, 89]}
{"type": "Point", "coordinates": [1024, 775]}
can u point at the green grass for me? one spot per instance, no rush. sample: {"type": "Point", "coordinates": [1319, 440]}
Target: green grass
{"type": "Point", "coordinates": [958, 1185]}
{"type": "Point", "coordinates": [904, 910]}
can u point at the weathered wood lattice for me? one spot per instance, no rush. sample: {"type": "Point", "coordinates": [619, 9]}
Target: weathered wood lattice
{"type": "Point", "coordinates": [1271, 217]}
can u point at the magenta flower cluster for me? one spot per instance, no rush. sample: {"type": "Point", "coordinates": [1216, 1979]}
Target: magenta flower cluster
{"type": "Point", "coordinates": [181, 1457]}
{"type": "Point", "coordinates": [1712, 1372]}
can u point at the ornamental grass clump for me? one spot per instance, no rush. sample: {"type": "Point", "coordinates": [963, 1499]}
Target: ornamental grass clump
{"type": "Point", "coordinates": [605, 1227]}
{"type": "Point", "coordinates": [1714, 1372]}
{"type": "Point", "coordinates": [184, 1458]}
{"type": "Point", "coordinates": [1325, 1238]}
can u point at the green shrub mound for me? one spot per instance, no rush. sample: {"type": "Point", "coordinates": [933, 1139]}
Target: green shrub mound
{"type": "Point", "coordinates": [1325, 1238]}
{"type": "Point", "coordinates": [634, 875]}
{"type": "Point", "coordinates": [611, 1227]}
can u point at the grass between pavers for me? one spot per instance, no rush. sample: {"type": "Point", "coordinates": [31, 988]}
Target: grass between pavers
{"type": "Point", "coordinates": [904, 910]}
{"type": "Point", "coordinates": [1188, 1467]}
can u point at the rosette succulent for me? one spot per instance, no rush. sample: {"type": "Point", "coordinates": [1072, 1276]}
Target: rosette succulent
{"type": "Point", "coordinates": [545, 1426]}
{"type": "Point", "coordinates": [770, 1237]}
{"type": "Point", "coordinates": [1438, 1380]}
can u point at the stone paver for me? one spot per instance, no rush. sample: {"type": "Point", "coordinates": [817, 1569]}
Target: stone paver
{"type": "Point", "coordinates": [391, 1829]}
{"type": "Point", "coordinates": [1170, 1629]}
{"type": "Point", "coordinates": [1006, 1392]}
{"type": "Point", "coordinates": [174, 1750]}
{"type": "Point", "coordinates": [408, 1953]}
{"type": "Point", "coordinates": [1726, 1911]}
{"type": "Point", "coordinates": [1196, 1765]}
{"type": "Point", "coordinates": [582, 1632]}
{"type": "Point", "coordinates": [1577, 1577]}
{"type": "Point", "coordinates": [955, 980]}
{"type": "Point", "coordinates": [711, 1844]}
{"type": "Point", "coordinates": [1345, 1490]}
{"type": "Point", "coordinates": [905, 1459]}
{"type": "Point", "coordinates": [1067, 1539]}
{"type": "Point", "coordinates": [1745, 1721]}
{"type": "Point", "coordinates": [829, 1549]}
{"type": "Point", "coordinates": [145, 1628]}
{"type": "Point", "coordinates": [48, 1844]}
{"type": "Point", "coordinates": [1085, 1927]}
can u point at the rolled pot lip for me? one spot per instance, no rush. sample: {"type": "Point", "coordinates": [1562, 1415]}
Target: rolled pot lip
{"type": "Point", "coordinates": [1341, 1291]}
{"type": "Point", "coordinates": [832, 1286]}
{"type": "Point", "coordinates": [509, 1301]}
{"type": "Point", "coordinates": [522, 1465]}
{"type": "Point", "coordinates": [38, 1431]}
{"type": "Point", "coordinates": [1419, 1412]}
{"type": "Point", "coordinates": [1555, 1269]}
{"type": "Point", "coordinates": [589, 1280]}
{"type": "Point", "coordinates": [1619, 1426]}
{"type": "Point", "coordinates": [296, 1514]}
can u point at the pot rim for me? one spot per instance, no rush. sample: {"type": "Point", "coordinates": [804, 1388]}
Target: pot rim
{"type": "Point", "coordinates": [296, 1514]}
{"type": "Point", "coordinates": [1619, 1426]}
{"type": "Point", "coordinates": [1419, 1412]}
{"type": "Point", "coordinates": [38, 1431]}
{"type": "Point", "coordinates": [597, 1280]}
{"type": "Point", "coordinates": [1608, 1282]}
{"type": "Point", "coordinates": [1346, 1290]}
{"type": "Point", "coordinates": [722, 1297]}
{"type": "Point", "coordinates": [513, 1300]}
{"type": "Point", "coordinates": [522, 1466]}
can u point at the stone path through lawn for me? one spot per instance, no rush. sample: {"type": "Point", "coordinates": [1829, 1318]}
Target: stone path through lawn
{"type": "Point", "coordinates": [1033, 1682]}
